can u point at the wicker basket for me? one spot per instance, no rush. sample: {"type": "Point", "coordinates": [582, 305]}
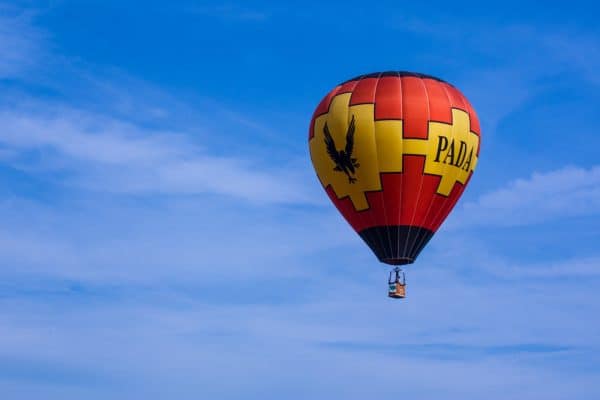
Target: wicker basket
{"type": "Point", "coordinates": [397, 290]}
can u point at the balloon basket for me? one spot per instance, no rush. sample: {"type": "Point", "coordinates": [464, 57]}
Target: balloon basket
{"type": "Point", "coordinates": [397, 291]}
{"type": "Point", "coordinates": [397, 284]}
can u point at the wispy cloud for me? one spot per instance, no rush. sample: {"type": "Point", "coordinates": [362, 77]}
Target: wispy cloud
{"type": "Point", "coordinates": [449, 351]}
{"type": "Point", "coordinates": [214, 196]}
{"type": "Point", "coordinates": [106, 146]}
{"type": "Point", "coordinates": [498, 85]}
{"type": "Point", "coordinates": [106, 154]}
{"type": "Point", "coordinates": [576, 268]}
{"type": "Point", "coordinates": [563, 193]}
{"type": "Point", "coordinates": [21, 45]}
{"type": "Point", "coordinates": [193, 241]}
{"type": "Point", "coordinates": [577, 51]}
{"type": "Point", "coordinates": [202, 346]}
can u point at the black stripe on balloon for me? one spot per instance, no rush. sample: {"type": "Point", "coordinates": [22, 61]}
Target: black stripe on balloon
{"type": "Point", "coordinates": [398, 254]}
{"type": "Point", "coordinates": [396, 74]}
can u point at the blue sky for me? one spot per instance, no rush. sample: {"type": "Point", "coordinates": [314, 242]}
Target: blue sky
{"type": "Point", "coordinates": [163, 234]}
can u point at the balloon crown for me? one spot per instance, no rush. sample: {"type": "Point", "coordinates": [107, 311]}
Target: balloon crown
{"type": "Point", "coordinates": [394, 73]}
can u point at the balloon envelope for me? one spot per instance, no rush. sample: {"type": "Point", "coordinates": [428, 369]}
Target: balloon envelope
{"type": "Point", "coordinates": [394, 151]}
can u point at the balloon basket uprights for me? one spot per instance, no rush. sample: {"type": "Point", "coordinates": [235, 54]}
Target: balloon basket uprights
{"type": "Point", "coordinates": [397, 284]}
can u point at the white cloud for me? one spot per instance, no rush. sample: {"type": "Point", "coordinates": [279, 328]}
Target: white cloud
{"type": "Point", "coordinates": [97, 238]}
{"type": "Point", "coordinates": [114, 149]}
{"type": "Point", "coordinates": [575, 268]}
{"type": "Point", "coordinates": [107, 154]}
{"type": "Point", "coordinates": [563, 193]}
{"type": "Point", "coordinates": [498, 85]}
{"type": "Point", "coordinates": [576, 50]}
{"type": "Point", "coordinates": [20, 44]}
{"type": "Point", "coordinates": [497, 266]}
{"type": "Point", "coordinates": [203, 346]}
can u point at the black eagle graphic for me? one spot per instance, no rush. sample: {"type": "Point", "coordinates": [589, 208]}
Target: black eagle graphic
{"type": "Point", "coordinates": [343, 159]}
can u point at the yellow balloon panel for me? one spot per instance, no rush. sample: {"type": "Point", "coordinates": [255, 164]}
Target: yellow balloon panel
{"type": "Point", "coordinates": [450, 150]}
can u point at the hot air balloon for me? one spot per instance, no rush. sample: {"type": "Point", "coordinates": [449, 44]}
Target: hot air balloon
{"type": "Point", "coordinates": [394, 151]}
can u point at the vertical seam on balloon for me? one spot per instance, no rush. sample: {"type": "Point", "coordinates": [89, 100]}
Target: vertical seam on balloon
{"type": "Point", "coordinates": [440, 212]}
{"type": "Point", "coordinates": [458, 190]}
{"type": "Point", "coordinates": [362, 216]}
{"type": "Point", "coordinates": [357, 213]}
{"type": "Point", "coordinates": [448, 203]}
{"type": "Point", "coordinates": [402, 164]}
{"type": "Point", "coordinates": [386, 224]}
{"type": "Point", "coordinates": [412, 219]}
{"type": "Point", "coordinates": [414, 242]}
{"type": "Point", "coordinates": [377, 231]}
{"type": "Point", "coordinates": [379, 236]}
{"type": "Point", "coordinates": [420, 242]}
